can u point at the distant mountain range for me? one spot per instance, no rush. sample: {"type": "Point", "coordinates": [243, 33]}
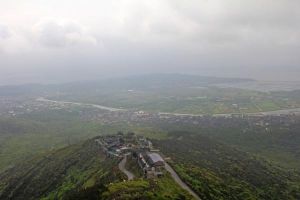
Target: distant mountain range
{"type": "Point", "coordinates": [147, 81]}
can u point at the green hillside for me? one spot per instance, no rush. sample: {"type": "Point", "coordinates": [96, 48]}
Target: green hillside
{"type": "Point", "coordinates": [81, 171]}
{"type": "Point", "coordinates": [217, 171]}
{"type": "Point", "coordinates": [58, 174]}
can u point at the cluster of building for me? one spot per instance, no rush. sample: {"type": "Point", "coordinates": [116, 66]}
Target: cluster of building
{"type": "Point", "coordinates": [140, 148]}
{"type": "Point", "coordinates": [120, 144]}
{"type": "Point", "coordinates": [151, 163]}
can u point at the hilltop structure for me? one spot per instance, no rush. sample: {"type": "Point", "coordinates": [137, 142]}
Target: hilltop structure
{"type": "Point", "coordinates": [120, 145]}
{"type": "Point", "coordinates": [152, 164]}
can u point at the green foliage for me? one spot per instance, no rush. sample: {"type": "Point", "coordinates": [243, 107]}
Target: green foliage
{"type": "Point", "coordinates": [152, 189]}
{"type": "Point", "coordinates": [133, 166]}
{"type": "Point", "coordinates": [280, 144]}
{"type": "Point", "coordinates": [217, 171]}
{"type": "Point", "coordinates": [55, 175]}
{"type": "Point", "coordinates": [81, 171]}
{"type": "Point", "coordinates": [27, 136]}
{"type": "Point", "coordinates": [22, 138]}
{"type": "Point", "coordinates": [127, 190]}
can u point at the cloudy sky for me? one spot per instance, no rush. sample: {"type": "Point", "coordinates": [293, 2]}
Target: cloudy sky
{"type": "Point", "coordinates": [66, 40]}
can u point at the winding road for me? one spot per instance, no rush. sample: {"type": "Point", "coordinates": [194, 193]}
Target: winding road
{"type": "Point", "coordinates": [178, 180]}
{"type": "Point", "coordinates": [129, 175]}
{"type": "Point", "coordinates": [174, 175]}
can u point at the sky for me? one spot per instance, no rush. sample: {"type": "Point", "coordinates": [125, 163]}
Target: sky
{"type": "Point", "coordinates": [48, 41]}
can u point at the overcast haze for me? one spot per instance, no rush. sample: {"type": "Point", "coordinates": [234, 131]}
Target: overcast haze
{"type": "Point", "coordinates": [67, 40]}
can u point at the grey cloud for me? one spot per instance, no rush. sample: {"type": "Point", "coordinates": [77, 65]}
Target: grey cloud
{"type": "Point", "coordinates": [53, 34]}
{"type": "Point", "coordinates": [4, 32]}
{"type": "Point", "coordinates": [209, 37]}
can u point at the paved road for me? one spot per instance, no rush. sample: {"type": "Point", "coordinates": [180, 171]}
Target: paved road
{"type": "Point", "coordinates": [180, 182]}
{"type": "Point", "coordinates": [266, 113]}
{"type": "Point", "coordinates": [81, 104]}
{"type": "Point", "coordinates": [125, 171]}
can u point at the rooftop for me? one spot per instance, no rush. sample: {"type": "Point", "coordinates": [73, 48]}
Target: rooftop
{"type": "Point", "coordinates": [155, 157]}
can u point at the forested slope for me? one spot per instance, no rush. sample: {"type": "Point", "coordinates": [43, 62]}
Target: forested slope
{"type": "Point", "coordinates": [79, 172]}
{"type": "Point", "coordinates": [59, 174]}
{"type": "Point", "coordinates": [217, 171]}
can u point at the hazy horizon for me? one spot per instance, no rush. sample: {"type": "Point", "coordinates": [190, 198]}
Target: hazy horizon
{"type": "Point", "coordinates": [63, 41]}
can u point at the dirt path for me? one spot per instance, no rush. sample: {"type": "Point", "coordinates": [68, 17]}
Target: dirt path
{"type": "Point", "coordinates": [122, 164]}
{"type": "Point", "coordinates": [178, 180]}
